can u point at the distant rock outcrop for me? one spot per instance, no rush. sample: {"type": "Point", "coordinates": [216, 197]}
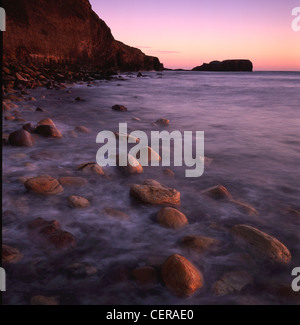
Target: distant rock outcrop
{"type": "Point", "coordinates": [227, 65]}
{"type": "Point", "coordinates": [66, 32]}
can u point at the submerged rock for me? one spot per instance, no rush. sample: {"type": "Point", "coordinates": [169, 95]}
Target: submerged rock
{"type": "Point", "coordinates": [155, 194]}
{"type": "Point", "coordinates": [145, 276]}
{"type": "Point", "coordinates": [82, 129]}
{"type": "Point", "coordinates": [73, 181]}
{"type": "Point", "coordinates": [171, 218]}
{"type": "Point", "coordinates": [119, 108]}
{"type": "Point", "coordinates": [10, 255]}
{"type": "Point", "coordinates": [81, 270]}
{"type": "Point", "coordinates": [199, 244]}
{"type": "Point", "coordinates": [45, 185]}
{"type": "Point", "coordinates": [91, 169]}
{"type": "Point", "coordinates": [231, 282]}
{"type": "Point", "coordinates": [116, 214]}
{"type": "Point", "coordinates": [262, 245]}
{"type": "Point", "coordinates": [62, 240]}
{"type": "Point", "coordinates": [245, 207]}
{"type": "Point", "coordinates": [181, 276]}
{"type": "Point", "coordinates": [218, 192]}
{"type": "Point", "coordinates": [133, 166]}
{"type": "Point", "coordinates": [78, 202]}
{"type": "Point", "coordinates": [21, 138]}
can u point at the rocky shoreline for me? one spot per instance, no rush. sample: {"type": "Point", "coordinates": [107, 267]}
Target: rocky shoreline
{"type": "Point", "coordinates": [178, 274]}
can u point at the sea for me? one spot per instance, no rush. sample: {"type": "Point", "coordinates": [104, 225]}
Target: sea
{"type": "Point", "coordinates": [251, 125]}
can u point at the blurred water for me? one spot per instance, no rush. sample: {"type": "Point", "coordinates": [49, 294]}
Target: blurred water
{"type": "Point", "coordinates": [251, 124]}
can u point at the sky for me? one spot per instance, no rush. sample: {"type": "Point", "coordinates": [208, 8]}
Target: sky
{"type": "Point", "coordinates": [186, 33]}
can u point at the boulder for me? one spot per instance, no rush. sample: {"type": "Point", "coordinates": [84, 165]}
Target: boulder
{"type": "Point", "coordinates": [171, 218]}
{"type": "Point", "coordinates": [91, 169]}
{"type": "Point", "coordinates": [82, 129]}
{"type": "Point", "coordinates": [155, 194]}
{"type": "Point", "coordinates": [262, 245]}
{"type": "Point", "coordinates": [48, 131]}
{"type": "Point", "coordinates": [181, 276]}
{"type": "Point", "coordinates": [62, 240]}
{"type": "Point", "coordinates": [116, 214]}
{"type": "Point", "coordinates": [78, 202]}
{"type": "Point", "coordinates": [10, 255]}
{"type": "Point", "coordinates": [119, 108]}
{"type": "Point", "coordinates": [245, 207]}
{"type": "Point", "coordinates": [231, 282]}
{"type": "Point", "coordinates": [199, 244]}
{"type": "Point", "coordinates": [73, 181]}
{"type": "Point", "coordinates": [133, 166]}
{"type": "Point", "coordinates": [163, 122]}
{"type": "Point", "coordinates": [46, 121]}
{"type": "Point", "coordinates": [218, 192]}
{"type": "Point", "coordinates": [45, 185]}
{"type": "Point", "coordinates": [29, 127]}
{"type": "Point", "coordinates": [21, 138]}
{"type": "Point", "coordinates": [149, 154]}
{"type": "Point", "coordinates": [145, 276]}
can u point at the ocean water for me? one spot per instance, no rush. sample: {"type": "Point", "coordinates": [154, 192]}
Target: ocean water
{"type": "Point", "coordinates": [252, 142]}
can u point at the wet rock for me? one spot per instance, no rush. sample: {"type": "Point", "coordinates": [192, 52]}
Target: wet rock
{"type": "Point", "coordinates": [45, 185]}
{"type": "Point", "coordinates": [181, 276]}
{"type": "Point", "coordinates": [218, 192]}
{"type": "Point", "coordinates": [21, 138]}
{"type": "Point", "coordinates": [199, 244]}
{"type": "Point", "coordinates": [145, 276]}
{"type": "Point", "coordinates": [139, 75]}
{"type": "Point", "coordinates": [9, 118]}
{"type": "Point", "coordinates": [82, 129]}
{"type": "Point", "coordinates": [119, 108]}
{"type": "Point", "coordinates": [244, 207]}
{"type": "Point", "coordinates": [171, 218]}
{"type": "Point", "coordinates": [149, 154]}
{"type": "Point", "coordinates": [116, 214]}
{"type": "Point", "coordinates": [163, 122]}
{"type": "Point", "coordinates": [78, 202]}
{"type": "Point", "coordinates": [169, 172]}
{"type": "Point", "coordinates": [46, 121]}
{"type": "Point", "coordinates": [39, 109]}
{"type": "Point", "coordinates": [91, 169]}
{"type": "Point", "coordinates": [10, 255]}
{"type": "Point", "coordinates": [62, 240]}
{"type": "Point", "coordinates": [73, 181]}
{"type": "Point", "coordinates": [81, 270]}
{"type": "Point", "coordinates": [262, 245]}
{"type": "Point", "coordinates": [155, 194]}
{"type": "Point", "coordinates": [48, 131]}
{"type": "Point", "coordinates": [127, 137]}
{"type": "Point", "coordinates": [231, 282]}
{"type": "Point", "coordinates": [29, 127]}
{"type": "Point", "coordinates": [133, 166]}
{"type": "Point", "coordinates": [43, 301]}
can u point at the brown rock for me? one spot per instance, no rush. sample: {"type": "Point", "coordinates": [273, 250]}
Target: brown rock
{"type": "Point", "coordinates": [163, 122]}
{"type": "Point", "coordinates": [10, 255]}
{"type": "Point", "coordinates": [155, 194]}
{"type": "Point", "coordinates": [91, 169]}
{"type": "Point", "coordinates": [231, 282]}
{"type": "Point", "coordinates": [81, 270]}
{"type": "Point", "coordinates": [29, 127]}
{"type": "Point", "coordinates": [218, 192]}
{"type": "Point", "coordinates": [171, 218]}
{"type": "Point", "coordinates": [73, 181]}
{"type": "Point", "coordinates": [169, 172]}
{"type": "Point", "coordinates": [9, 118]}
{"type": "Point", "coordinates": [127, 137]}
{"type": "Point", "coordinates": [133, 166]}
{"type": "Point", "coordinates": [62, 240]}
{"type": "Point", "coordinates": [45, 185]}
{"type": "Point", "coordinates": [43, 301]}
{"type": "Point", "coordinates": [46, 121]}
{"type": "Point", "coordinates": [199, 244]}
{"type": "Point", "coordinates": [116, 214]}
{"type": "Point", "coordinates": [262, 245]}
{"type": "Point", "coordinates": [21, 138]}
{"type": "Point", "coordinates": [244, 207]}
{"type": "Point", "coordinates": [145, 276]}
{"type": "Point", "coordinates": [48, 131]}
{"type": "Point", "coordinates": [119, 108]}
{"type": "Point", "coordinates": [181, 276]}
{"type": "Point", "coordinates": [149, 154]}
{"type": "Point", "coordinates": [78, 202]}
{"type": "Point", "coordinates": [82, 129]}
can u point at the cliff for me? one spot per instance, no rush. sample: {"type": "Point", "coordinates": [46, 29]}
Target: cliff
{"type": "Point", "coordinates": [66, 32]}
{"type": "Point", "coordinates": [227, 65]}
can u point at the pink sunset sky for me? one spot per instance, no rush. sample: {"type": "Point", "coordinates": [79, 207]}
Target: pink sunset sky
{"type": "Point", "coordinates": [185, 34]}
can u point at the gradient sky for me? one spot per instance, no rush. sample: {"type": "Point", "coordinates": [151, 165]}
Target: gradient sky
{"type": "Point", "coordinates": [187, 33]}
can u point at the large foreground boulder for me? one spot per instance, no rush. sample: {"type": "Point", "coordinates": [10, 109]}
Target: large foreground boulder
{"type": "Point", "coordinates": [44, 185]}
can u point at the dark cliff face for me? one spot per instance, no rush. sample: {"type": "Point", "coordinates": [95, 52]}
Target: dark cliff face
{"type": "Point", "coordinates": [227, 65]}
{"type": "Point", "coordinates": [66, 32]}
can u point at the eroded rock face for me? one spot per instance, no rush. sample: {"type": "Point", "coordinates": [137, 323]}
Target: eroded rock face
{"type": "Point", "coordinates": [155, 193]}
{"type": "Point", "coordinates": [261, 245]}
{"type": "Point", "coordinates": [69, 33]}
{"type": "Point", "coordinates": [181, 276]}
